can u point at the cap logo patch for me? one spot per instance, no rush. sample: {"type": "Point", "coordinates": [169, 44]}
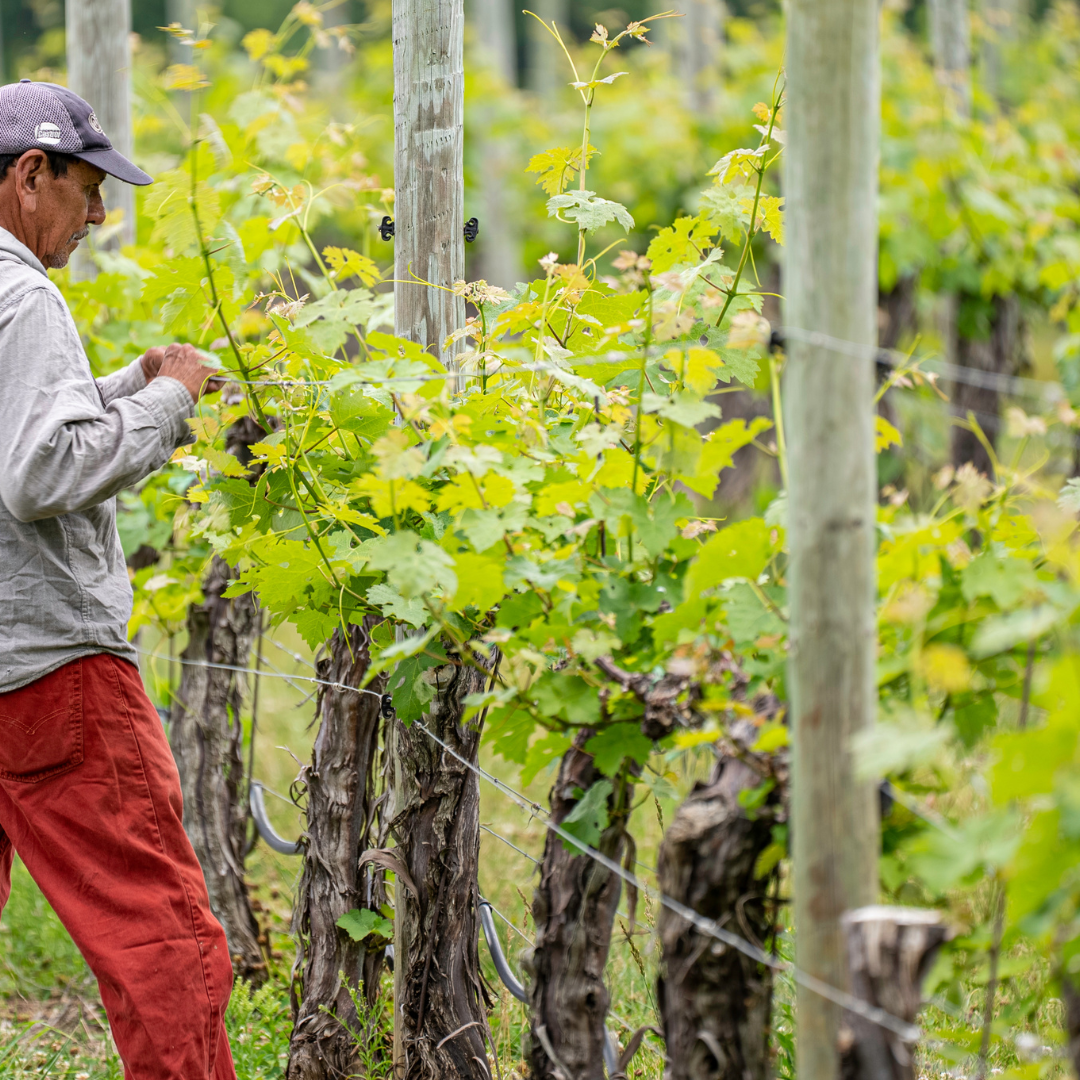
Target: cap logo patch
{"type": "Point", "coordinates": [92, 120]}
{"type": "Point", "coordinates": [47, 133]}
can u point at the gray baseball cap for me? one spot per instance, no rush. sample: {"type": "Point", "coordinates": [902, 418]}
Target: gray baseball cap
{"type": "Point", "coordinates": [44, 116]}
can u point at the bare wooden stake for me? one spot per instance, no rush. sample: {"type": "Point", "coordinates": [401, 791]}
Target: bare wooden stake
{"type": "Point", "coordinates": [547, 71]}
{"type": "Point", "coordinates": [950, 43]}
{"type": "Point", "coordinates": [890, 950]}
{"type": "Point", "coordinates": [429, 185]}
{"type": "Point", "coordinates": [99, 70]}
{"type": "Point", "coordinates": [830, 180]}
{"type": "Point", "coordinates": [439, 1017]}
{"type": "Point", "coordinates": [696, 42]}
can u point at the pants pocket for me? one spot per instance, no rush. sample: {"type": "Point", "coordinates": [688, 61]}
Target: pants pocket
{"type": "Point", "coordinates": [41, 727]}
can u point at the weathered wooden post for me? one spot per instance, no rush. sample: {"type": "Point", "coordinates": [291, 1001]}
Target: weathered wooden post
{"type": "Point", "coordinates": [99, 70]}
{"type": "Point", "coordinates": [950, 43]}
{"type": "Point", "coordinates": [439, 1019]}
{"type": "Point", "coordinates": [429, 184]}
{"type": "Point", "coordinates": [1002, 19]}
{"type": "Point", "coordinates": [831, 287]}
{"type": "Point", "coordinates": [546, 70]}
{"type": "Point", "coordinates": [497, 258]}
{"type": "Point", "coordinates": [696, 41]}
{"type": "Point", "coordinates": [994, 352]}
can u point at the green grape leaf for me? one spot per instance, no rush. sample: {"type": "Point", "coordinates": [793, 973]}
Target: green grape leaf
{"type": "Point", "coordinates": [589, 818]}
{"type": "Point", "coordinates": [362, 923]}
{"type": "Point", "coordinates": [558, 166]}
{"type": "Point", "coordinates": [588, 211]}
{"type": "Point", "coordinates": [411, 692]}
{"type": "Point", "coordinates": [681, 242]}
{"type": "Point", "coordinates": [617, 742]}
{"type": "Point", "coordinates": [167, 203]}
{"type": "Point", "coordinates": [741, 550]}
{"type": "Point", "coordinates": [1005, 581]}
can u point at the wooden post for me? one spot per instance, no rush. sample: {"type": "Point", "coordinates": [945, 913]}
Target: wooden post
{"type": "Point", "coordinates": [890, 950]}
{"type": "Point", "coordinates": [950, 43]}
{"type": "Point", "coordinates": [182, 12]}
{"type": "Point", "coordinates": [99, 70]}
{"type": "Point", "coordinates": [1002, 24]}
{"type": "Point", "coordinates": [493, 25]}
{"type": "Point", "coordinates": [496, 255]}
{"type": "Point", "coordinates": [440, 1026]}
{"type": "Point", "coordinates": [696, 42]}
{"type": "Point", "coordinates": [547, 69]}
{"type": "Point", "coordinates": [830, 176]}
{"type": "Point", "coordinates": [429, 185]}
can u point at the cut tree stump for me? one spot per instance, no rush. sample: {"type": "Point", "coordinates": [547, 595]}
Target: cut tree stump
{"type": "Point", "coordinates": [890, 950]}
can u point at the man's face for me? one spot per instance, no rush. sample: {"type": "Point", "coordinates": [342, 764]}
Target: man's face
{"type": "Point", "coordinates": [66, 208]}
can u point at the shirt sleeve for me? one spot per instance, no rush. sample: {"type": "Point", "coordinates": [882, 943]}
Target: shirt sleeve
{"type": "Point", "coordinates": [61, 451]}
{"type": "Point", "coordinates": [123, 383]}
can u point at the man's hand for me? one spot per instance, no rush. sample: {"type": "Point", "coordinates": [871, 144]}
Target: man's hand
{"type": "Point", "coordinates": [185, 364]}
{"type": "Point", "coordinates": [151, 361]}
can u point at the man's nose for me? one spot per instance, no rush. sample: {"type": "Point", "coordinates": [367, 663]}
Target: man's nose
{"type": "Point", "coordinates": [95, 212]}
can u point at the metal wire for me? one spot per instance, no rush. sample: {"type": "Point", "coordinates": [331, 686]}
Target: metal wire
{"type": "Point", "coordinates": [899, 1026]}
{"type": "Point", "coordinates": [508, 843]}
{"type": "Point", "coordinates": [709, 927]}
{"type": "Point", "coordinates": [1015, 385]}
{"type": "Point", "coordinates": [265, 674]}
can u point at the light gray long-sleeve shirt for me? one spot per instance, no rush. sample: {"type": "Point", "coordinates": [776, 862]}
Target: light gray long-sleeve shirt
{"type": "Point", "coordinates": [68, 444]}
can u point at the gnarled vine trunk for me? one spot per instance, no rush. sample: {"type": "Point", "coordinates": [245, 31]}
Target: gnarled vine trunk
{"type": "Point", "coordinates": [206, 737]}
{"type": "Point", "coordinates": [343, 814]}
{"type": "Point", "coordinates": [439, 997]}
{"type": "Point", "coordinates": [715, 1003]}
{"type": "Point", "coordinates": [574, 909]}
{"type": "Point", "coordinates": [995, 354]}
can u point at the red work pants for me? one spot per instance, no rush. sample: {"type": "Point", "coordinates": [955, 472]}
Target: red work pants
{"type": "Point", "coordinates": [90, 799]}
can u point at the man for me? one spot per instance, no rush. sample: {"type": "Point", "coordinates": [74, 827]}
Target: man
{"type": "Point", "coordinates": [89, 794]}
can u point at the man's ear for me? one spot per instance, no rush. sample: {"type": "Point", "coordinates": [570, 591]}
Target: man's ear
{"type": "Point", "coordinates": [29, 172]}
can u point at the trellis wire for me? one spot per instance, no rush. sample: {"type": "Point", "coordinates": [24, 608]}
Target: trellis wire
{"type": "Point", "coordinates": [1015, 385]}
{"type": "Point", "coordinates": [896, 1024]}
{"type": "Point", "coordinates": [709, 927]}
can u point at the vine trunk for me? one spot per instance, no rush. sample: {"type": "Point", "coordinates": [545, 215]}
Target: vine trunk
{"type": "Point", "coordinates": [343, 816]}
{"type": "Point", "coordinates": [439, 997]}
{"type": "Point", "coordinates": [207, 739]}
{"type": "Point", "coordinates": [715, 1003]}
{"type": "Point", "coordinates": [574, 909]}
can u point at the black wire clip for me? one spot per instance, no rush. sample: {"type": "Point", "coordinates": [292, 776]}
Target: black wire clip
{"type": "Point", "coordinates": [386, 706]}
{"type": "Point", "coordinates": [386, 229]}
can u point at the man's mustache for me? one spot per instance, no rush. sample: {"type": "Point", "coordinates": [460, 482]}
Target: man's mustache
{"type": "Point", "coordinates": [82, 234]}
